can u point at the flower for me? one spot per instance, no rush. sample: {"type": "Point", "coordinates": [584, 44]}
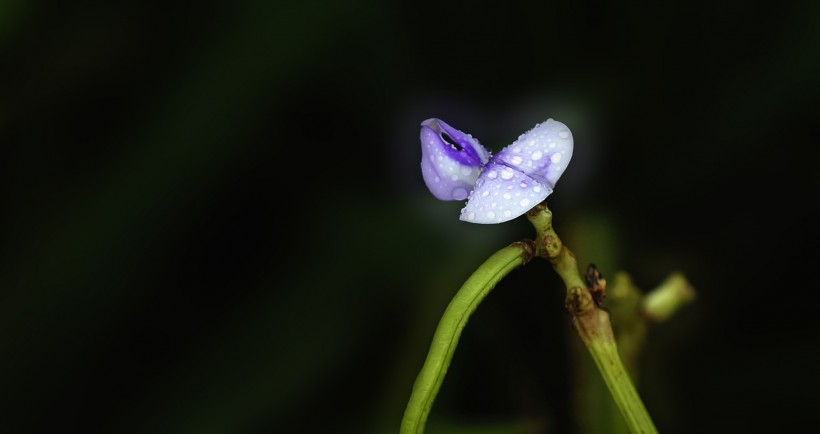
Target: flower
{"type": "Point", "coordinates": [500, 187]}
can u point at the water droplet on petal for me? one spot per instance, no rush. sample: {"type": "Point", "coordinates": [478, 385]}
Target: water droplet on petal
{"type": "Point", "coordinates": [459, 194]}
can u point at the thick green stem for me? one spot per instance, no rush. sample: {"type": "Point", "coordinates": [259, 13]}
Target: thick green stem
{"type": "Point", "coordinates": [623, 391]}
{"type": "Point", "coordinates": [455, 317]}
{"type": "Point", "coordinates": [591, 322]}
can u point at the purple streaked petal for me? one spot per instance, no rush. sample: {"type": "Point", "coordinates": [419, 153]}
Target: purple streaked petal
{"type": "Point", "coordinates": [543, 152]}
{"type": "Point", "coordinates": [460, 146]}
{"type": "Point", "coordinates": [449, 166]}
{"type": "Point", "coordinates": [502, 193]}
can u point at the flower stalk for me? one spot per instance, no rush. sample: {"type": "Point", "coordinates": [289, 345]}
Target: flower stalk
{"type": "Point", "coordinates": [590, 321]}
{"type": "Point", "coordinates": [449, 329]}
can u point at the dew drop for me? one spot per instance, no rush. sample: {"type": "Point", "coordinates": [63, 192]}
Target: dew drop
{"type": "Point", "coordinates": [459, 194]}
{"type": "Point", "coordinates": [536, 155]}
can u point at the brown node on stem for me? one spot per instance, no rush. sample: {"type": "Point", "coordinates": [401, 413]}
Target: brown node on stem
{"type": "Point", "coordinates": [578, 301]}
{"type": "Point", "coordinates": [528, 250]}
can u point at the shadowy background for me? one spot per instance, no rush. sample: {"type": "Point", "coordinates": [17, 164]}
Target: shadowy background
{"type": "Point", "coordinates": [214, 219]}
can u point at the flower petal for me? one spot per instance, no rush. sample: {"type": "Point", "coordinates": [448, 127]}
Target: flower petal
{"type": "Point", "coordinates": [450, 160]}
{"type": "Point", "coordinates": [502, 193]}
{"type": "Point", "coordinates": [543, 152]}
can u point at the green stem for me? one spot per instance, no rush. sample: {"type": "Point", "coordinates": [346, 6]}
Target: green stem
{"type": "Point", "coordinates": [455, 317]}
{"type": "Point", "coordinates": [591, 322]}
{"type": "Point", "coordinates": [623, 392]}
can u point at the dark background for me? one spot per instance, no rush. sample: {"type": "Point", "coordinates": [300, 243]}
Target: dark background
{"type": "Point", "coordinates": [214, 219]}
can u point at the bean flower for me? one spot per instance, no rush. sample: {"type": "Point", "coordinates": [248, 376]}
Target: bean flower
{"type": "Point", "coordinates": [499, 187]}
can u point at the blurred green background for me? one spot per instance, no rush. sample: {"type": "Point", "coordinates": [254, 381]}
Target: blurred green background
{"type": "Point", "coordinates": [214, 219]}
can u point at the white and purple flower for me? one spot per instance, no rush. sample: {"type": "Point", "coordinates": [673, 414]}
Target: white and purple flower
{"type": "Point", "coordinates": [497, 187]}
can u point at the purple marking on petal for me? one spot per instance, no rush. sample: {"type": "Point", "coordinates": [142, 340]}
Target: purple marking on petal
{"type": "Point", "coordinates": [460, 146]}
{"type": "Point", "coordinates": [543, 152]}
{"type": "Point", "coordinates": [502, 193]}
{"type": "Point", "coordinates": [449, 173]}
